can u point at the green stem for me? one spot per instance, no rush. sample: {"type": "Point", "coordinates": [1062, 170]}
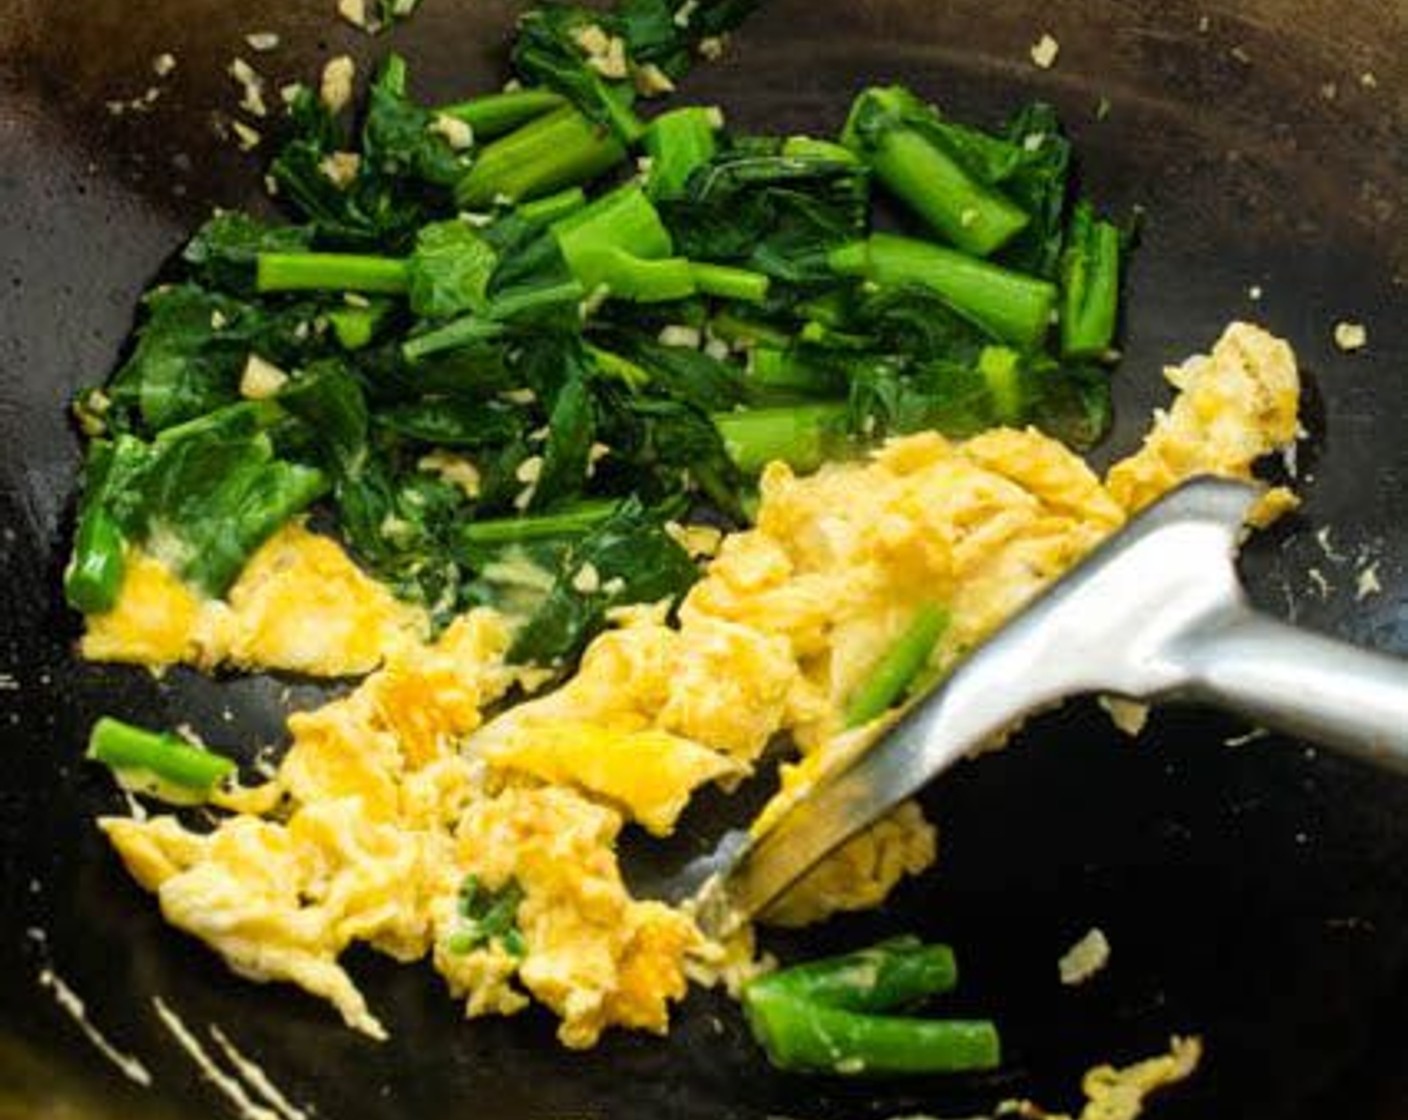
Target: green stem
{"type": "Point", "coordinates": [888, 975]}
{"type": "Point", "coordinates": [577, 519]}
{"type": "Point", "coordinates": [897, 669]}
{"type": "Point", "coordinates": [553, 207]}
{"type": "Point", "coordinates": [1090, 285]}
{"type": "Point", "coordinates": [492, 324]}
{"type": "Point", "coordinates": [560, 149]}
{"type": "Point", "coordinates": [807, 1037]}
{"type": "Point", "coordinates": [1009, 305]}
{"type": "Point", "coordinates": [619, 241]}
{"type": "Point", "coordinates": [886, 129]}
{"type": "Point", "coordinates": [337, 272]}
{"type": "Point", "coordinates": [729, 283]}
{"type": "Point", "coordinates": [808, 147]}
{"type": "Point", "coordinates": [496, 113]}
{"type": "Point", "coordinates": [800, 435]}
{"type": "Point", "coordinates": [786, 371]}
{"type": "Point", "coordinates": [452, 336]}
{"type": "Point", "coordinates": [165, 757]}
{"type": "Point", "coordinates": [622, 369]}
{"type": "Point", "coordinates": [732, 327]}
{"type": "Point", "coordinates": [94, 575]}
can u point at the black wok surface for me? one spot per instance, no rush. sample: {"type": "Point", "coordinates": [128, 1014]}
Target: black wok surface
{"type": "Point", "coordinates": [1256, 894]}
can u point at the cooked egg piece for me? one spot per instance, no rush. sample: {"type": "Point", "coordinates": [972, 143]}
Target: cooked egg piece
{"type": "Point", "coordinates": [1235, 404]}
{"type": "Point", "coordinates": [650, 774]}
{"type": "Point", "coordinates": [300, 605]}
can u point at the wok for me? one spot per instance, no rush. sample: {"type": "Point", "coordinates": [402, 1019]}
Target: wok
{"type": "Point", "coordinates": [1256, 894]}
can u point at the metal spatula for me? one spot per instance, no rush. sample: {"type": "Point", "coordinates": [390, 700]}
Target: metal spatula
{"type": "Point", "coordinates": [1157, 613]}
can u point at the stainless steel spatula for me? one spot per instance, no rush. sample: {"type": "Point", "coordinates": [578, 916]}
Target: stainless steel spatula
{"type": "Point", "coordinates": [1156, 613]}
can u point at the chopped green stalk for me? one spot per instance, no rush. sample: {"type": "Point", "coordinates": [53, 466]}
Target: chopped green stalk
{"type": "Point", "coordinates": [523, 301]}
{"type": "Point", "coordinates": [334, 272]}
{"type": "Point", "coordinates": [899, 667]}
{"type": "Point", "coordinates": [1009, 305]}
{"type": "Point", "coordinates": [800, 436]}
{"type": "Point", "coordinates": [1090, 285]}
{"type": "Point", "coordinates": [784, 370]}
{"type": "Point", "coordinates": [732, 327]}
{"type": "Point", "coordinates": [94, 575]}
{"type": "Point", "coordinates": [808, 147]}
{"type": "Point", "coordinates": [477, 328]}
{"type": "Point", "coordinates": [1001, 368]}
{"type": "Point", "coordinates": [619, 242]}
{"type": "Point", "coordinates": [888, 975]}
{"type": "Point", "coordinates": [622, 369]}
{"type": "Point", "coordinates": [575, 520]}
{"type": "Point", "coordinates": [355, 327]}
{"type": "Point", "coordinates": [487, 915]}
{"type": "Point", "coordinates": [806, 1037]}
{"type": "Point", "coordinates": [886, 128]}
{"type": "Point", "coordinates": [550, 208]}
{"type": "Point", "coordinates": [561, 149]}
{"type": "Point", "coordinates": [157, 762]}
{"type": "Point", "coordinates": [496, 113]}
{"type": "Point", "coordinates": [452, 336]}
{"type": "Point", "coordinates": [729, 283]}
{"type": "Point", "coordinates": [678, 142]}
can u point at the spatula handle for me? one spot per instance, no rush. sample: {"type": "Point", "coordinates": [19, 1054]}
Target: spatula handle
{"type": "Point", "coordinates": [1304, 684]}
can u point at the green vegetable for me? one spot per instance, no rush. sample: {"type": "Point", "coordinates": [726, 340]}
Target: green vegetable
{"type": "Point", "coordinates": [755, 207]}
{"type": "Point", "coordinates": [634, 561]}
{"type": "Point", "coordinates": [1010, 306]}
{"type": "Point", "coordinates": [805, 1037]}
{"type": "Point", "coordinates": [618, 243]}
{"type": "Point", "coordinates": [156, 762]}
{"type": "Point", "coordinates": [356, 327]}
{"type": "Point", "coordinates": [678, 143]}
{"type": "Point", "coordinates": [729, 283]}
{"type": "Point", "coordinates": [828, 1016]}
{"type": "Point", "coordinates": [93, 577]}
{"type": "Point", "coordinates": [486, 916]}
{"type": "Point", "coordinates": [802, 436]}
{"type": "Point", "coordinates": [223, 252]}
{"type": "Point", "coordinates": [563, 148]}
{"type": "Point", "coordinates": [449, 271]}
{"type": "Point", "coordinates": [339, 272]}
{"type": "Point", "coordinates": [901, 139]}
{"type": "Point", "coordinates": [1090, 285]}
{"type": "Point", "coordinates": [399, 140]}
{"type": "Point", "coordinates": [891, 974]}
{"type": "Point", "coordinates": [204, 495]}
{"type": "Point", "coordinates": [496, 113]}
{"type": "Point", "coordinates": [573, 521]}
{"type": "Point", "coordinates": [897, 670]}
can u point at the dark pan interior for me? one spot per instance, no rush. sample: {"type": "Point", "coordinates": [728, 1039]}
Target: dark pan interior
{"type": "Point", "coordinates": [1256, 894]}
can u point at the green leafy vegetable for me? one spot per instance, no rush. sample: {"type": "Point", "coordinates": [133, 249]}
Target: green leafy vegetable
{"type": "Point", "coordinates": [449, 270]}
{"type": "Point", "coordinates": [629, 558]}
{"type": "Point", "coordinates": [500, 379]}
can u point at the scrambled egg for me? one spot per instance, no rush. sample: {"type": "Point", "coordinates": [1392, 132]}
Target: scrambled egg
{"type": "Point", "coordinates": [1119, 1094]}
{"type": "Point", "coordinates": [389, 798]}
{"type": "Point", "coordinates": [300, 605]}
